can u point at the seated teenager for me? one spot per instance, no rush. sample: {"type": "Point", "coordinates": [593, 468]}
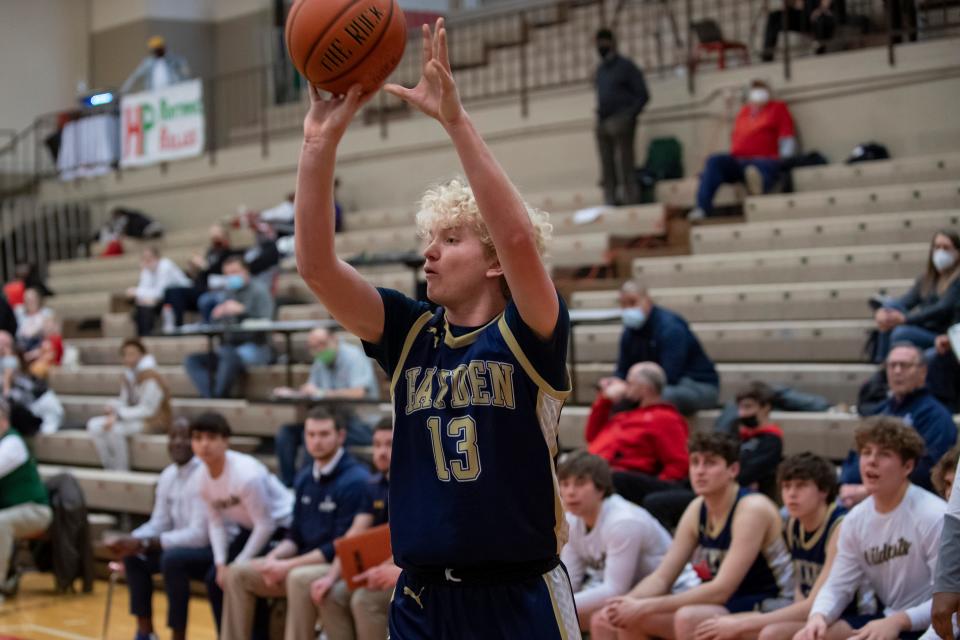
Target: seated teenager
{"type": "Point", "coordinates": [613, 543]}
{"type": "Point", "coordinates": [732, 537]}
{"type": "Point", "coordinates": [808, 485]}
{"type": "Point", "coordinates": [889, 542]}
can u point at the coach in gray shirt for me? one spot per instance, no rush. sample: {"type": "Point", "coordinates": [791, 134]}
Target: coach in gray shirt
{"type": "Point", "coordinates": [246, 300]}
{"type": "Point", "coordinates": [339, 370]}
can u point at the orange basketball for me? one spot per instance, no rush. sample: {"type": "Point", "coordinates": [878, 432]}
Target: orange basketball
{"type": "Point", "coordinates": [338, 43]}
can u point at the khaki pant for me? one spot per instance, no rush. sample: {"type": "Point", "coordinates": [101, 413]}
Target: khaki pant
{"type": "Point", "coordinates": [361, 615]}
{"type": "Point", "coordinates": [112, 445]}
{"type": "Point", "coordinates": [244, 584]}
{"type": "Point", "coordinates": [20, 521]}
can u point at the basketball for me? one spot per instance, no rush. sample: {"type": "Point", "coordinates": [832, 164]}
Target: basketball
{"type": "Point", "coordinates": [338, 43]}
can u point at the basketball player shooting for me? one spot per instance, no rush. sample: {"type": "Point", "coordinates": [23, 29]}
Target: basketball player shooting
{"type": "Point", "coordinates": [476, 521]}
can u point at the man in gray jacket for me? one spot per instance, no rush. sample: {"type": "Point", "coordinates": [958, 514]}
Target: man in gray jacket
{"type": "Point", "coordinates": [246, 300]}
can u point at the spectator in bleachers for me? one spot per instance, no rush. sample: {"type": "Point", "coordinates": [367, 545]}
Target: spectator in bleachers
{"type": "Point", "coordinates": [143, 404]}
{"type": "Point", "coordinates": [763, 135]}
{"type": "Point", "coordinates": [646, 447]}
{"type": "Point", "coordinates": [50, 352]}
{"type": "Point", "coordinates": [25, 276]}
{"type": "Point", "coordinates": [621, 96]}
{"type": "Point", "coordinates": [9, 358]}
{"type": "Point", "coordinates": [339, 370]}
{"type": "Point", "coordinates": [808, 484]}
{"type": "Point", "coordinates": [761, 448]}
{"type": "Point", "coordinates": [733, 539]}
{"type": "Point", "coordinates": [157, 274]}
{"type": "Point", "coordinates": [199, 269]}
{"type": "Point", "coordinates": [783, 398]}
{"type": "Point", "coordinates": [246, 300]}
{"type": "Point", "coordinates": [814, 17]}
{"type": "Point", "coordinates": [945, 472]}
{"type": "Point", "coordinates": [31, 316]}
{"type": "Point", "coordinates": [159, 69]}
{"type": "Point", "coordinates": [24, 504]}
{"type": "Point", "coordinates": [328, 496]}
{"type": "Point", "coordinates": [927, 309]}
{"type": "Point", "coordinates": [362, 613]}
{"type": "Point", "coordinates": [888, 543]}
{"type": "Point", "coordinates": [654, 334]}
{"type": "Point", "coordinates": [613, 543]}
{"type": "Point", "coordinates": [34, 406]}
{"type": "Point", "coordinates": [175, 536]}
{"type": "Point", "coordinates": [911, 401]}
{"type": "Point", "coordinates": [246, 505]}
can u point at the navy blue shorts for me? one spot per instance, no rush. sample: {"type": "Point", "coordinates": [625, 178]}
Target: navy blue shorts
{"type": "Point", "coordinates": [741, 603]}
{"type": "Point", "coordinates": [538, 608]}
{"type": "Point", "coordinates": [858, 621]}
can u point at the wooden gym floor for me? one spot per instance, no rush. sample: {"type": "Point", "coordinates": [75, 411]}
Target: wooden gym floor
{"type": "Point", "coordinates": [37, 613]}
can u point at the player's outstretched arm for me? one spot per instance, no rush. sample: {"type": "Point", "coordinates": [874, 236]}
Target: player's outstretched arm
{"type": "Point", "coordinates": [349, 298]}
{"type": "Point", "coordinates": [500, 205]}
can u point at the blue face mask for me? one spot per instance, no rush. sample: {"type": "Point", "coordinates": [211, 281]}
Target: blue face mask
{"type": "Point", "coordinates": [633, 317]}
{"type": "Point", "coordinates": [234, 282]}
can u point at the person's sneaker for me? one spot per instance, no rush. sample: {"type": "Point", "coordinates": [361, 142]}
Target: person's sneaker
{"type": "Point", "coordinates": [696, 214]}
{"type": "Point", "coordinates": [145, 636]}
{"type": "Point", "coordinates": [754, 180]}
{"type": "Point", "coordinates": [11, 585]}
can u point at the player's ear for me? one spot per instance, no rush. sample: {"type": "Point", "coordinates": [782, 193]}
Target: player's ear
{"type": "Point", "coordinates": [494, 270]}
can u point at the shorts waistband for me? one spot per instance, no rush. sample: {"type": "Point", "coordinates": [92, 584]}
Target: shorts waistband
{"type": "Point", "coordinates": [487, 575]}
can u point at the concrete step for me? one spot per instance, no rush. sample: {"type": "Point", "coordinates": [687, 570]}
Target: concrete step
{"type": "Point", "coordinates": [827, 264]}
{"type": "Point", "coordinates": [910, 170]}
{"type": "Point", "coordinates": [863, 229]}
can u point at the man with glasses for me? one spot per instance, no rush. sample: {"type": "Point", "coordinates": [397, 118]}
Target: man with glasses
{"type": "Point", "coordinates": [910, 400]}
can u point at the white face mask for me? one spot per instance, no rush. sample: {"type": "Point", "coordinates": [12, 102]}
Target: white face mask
{"type": "Point", "coordinates": [943, 260]}
{"type": "Point", "coordinates": [758, 96]}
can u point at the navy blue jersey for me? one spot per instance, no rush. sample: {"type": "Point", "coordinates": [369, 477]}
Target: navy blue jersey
{"type": "Point", "coordinates": [809, 550]}
{"type": "Point", "coordinates": [770, 575]}
{"type": "Point", "coordinates": [472, 479]}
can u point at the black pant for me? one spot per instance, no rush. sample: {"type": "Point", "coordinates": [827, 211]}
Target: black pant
{"type": "Point", "coordinates": [181, 299]}
{"type": "Point", "coordinates": [146, 318]}
{"type": "Point", "coordinates": [799, 21]}
{"type": "Point", "coordinates": [615, 138]}
{"type": "Point", "coordinates": [635, 486]}
{"type": "Point", "coordinates": [668, 506]}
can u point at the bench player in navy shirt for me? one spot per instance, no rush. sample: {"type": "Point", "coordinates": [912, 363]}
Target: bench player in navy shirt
{"type": "Point", "coordinates": [476, 521]}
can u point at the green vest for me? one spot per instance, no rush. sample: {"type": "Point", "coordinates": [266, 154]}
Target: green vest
{"type": "Point", "coordinates": [23, 484]}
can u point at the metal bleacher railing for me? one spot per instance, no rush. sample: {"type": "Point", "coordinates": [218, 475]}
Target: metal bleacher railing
{"type": "Point", "coordinates": [503, 52]}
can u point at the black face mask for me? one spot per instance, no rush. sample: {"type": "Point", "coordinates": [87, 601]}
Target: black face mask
{"type": "Point", "coordinates": [604, 51]}
{"type": "Point", "coordinates": [750, 422]}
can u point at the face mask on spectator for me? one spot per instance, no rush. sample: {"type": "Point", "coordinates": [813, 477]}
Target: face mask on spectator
{"type": "Point", "coordinates": [234, 282]}
{"type": "Point", "coordinates": [634, 317]}
{"type": "Point", "coordinates": [758, 96]}
{"type": "Point", "coordinates": [943, 260]}
{"type": "Point", "coordinates": [327, 356]}
{"type": "Point", "coordinates": [9, 362]}
{"type": "Point", "coordinates": [750, 422]}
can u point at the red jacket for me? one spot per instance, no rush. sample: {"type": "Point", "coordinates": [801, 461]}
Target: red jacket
{"type": "Point", "coordinates": [650, 439]}
{"type": "Point", "coordinates": [758, 130]}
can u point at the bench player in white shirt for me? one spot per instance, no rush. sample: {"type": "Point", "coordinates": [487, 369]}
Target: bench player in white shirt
{"type": "Point", "coordinates": [891, 540]}
{"type": "Point", "coordinates": [613, 543]}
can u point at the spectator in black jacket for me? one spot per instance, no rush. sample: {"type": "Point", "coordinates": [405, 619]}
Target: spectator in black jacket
{"type": "Point", "coordinates": [925, 311]}
{"type": "Point", "coordinates": [655, 334]}
{"type": "Point", "coordinates": [8, 319]}
{"type": "Point", "coordinates": [200, 268]}
{"type": "Point", "coordinates": [621, 95]}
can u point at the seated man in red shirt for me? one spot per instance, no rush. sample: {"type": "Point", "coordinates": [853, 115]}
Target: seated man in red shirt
{"type": "Point", "coordinates": [763, 134]}
{"type": "Point", "coordinates": [647, 446]}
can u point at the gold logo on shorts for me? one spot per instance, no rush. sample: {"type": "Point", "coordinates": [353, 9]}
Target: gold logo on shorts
{"type": "Point", "coordinates": [407, 591]}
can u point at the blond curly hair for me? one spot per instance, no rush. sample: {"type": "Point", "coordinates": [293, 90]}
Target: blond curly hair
{"type": "Point", "coordinates": [452, 205]}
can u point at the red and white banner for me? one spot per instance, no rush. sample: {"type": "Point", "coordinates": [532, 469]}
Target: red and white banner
{"type": "Point", "coordinates": [161, 125]}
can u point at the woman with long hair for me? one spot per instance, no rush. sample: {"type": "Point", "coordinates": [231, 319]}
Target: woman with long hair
{"type": "Point", "coordinates": [926, 310]}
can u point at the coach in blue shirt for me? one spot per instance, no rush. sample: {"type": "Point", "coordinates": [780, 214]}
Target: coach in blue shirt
{"type": "Point", "coordinates": [911, 401]}
{"type": "Point", "coordinates": [655, 334]}
{"type": "Point", "coordinates": [328, 495]}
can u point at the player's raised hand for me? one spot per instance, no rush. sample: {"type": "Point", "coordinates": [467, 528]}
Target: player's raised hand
{"type": "Point", "coordinates": [328, 118]}
{"type": "Point", "coordinates": [436, 94]}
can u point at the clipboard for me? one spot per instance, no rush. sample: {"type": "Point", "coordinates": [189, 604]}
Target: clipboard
{"type": "Point", "coordinates": [362, 551]}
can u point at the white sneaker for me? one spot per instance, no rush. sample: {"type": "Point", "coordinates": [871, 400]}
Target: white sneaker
{"type": "Point", "coordinates": [696, 214]}
{"type": "Point", "coordinates": [754, 180]}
